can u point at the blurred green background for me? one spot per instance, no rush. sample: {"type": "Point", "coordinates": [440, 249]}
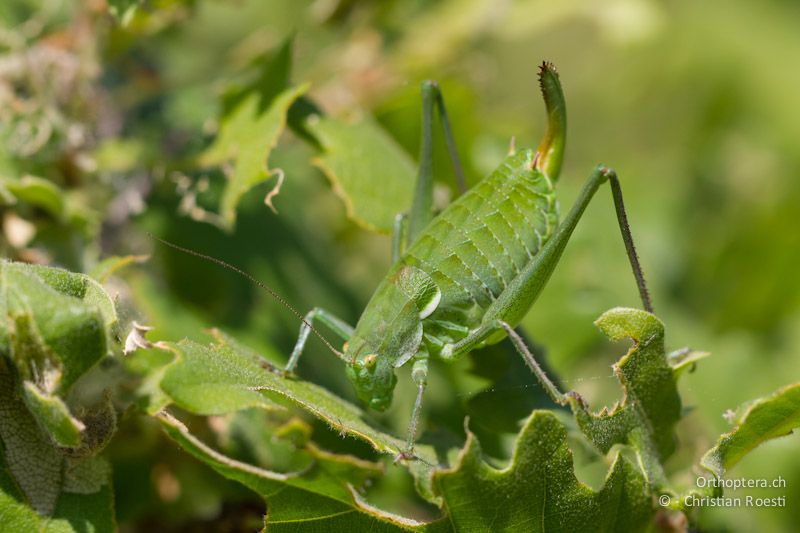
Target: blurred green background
{"type": "Point", "coordinates": [694, 103]}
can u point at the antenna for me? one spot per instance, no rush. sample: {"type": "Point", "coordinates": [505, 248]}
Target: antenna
{"type": "Point", "coordinates": [261, 285]}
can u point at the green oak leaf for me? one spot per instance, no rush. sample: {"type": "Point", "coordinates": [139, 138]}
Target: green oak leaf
{"type": "Point", "coordinates": [538, 490]}
{"type": "Point", "coordinates": [41, 487]}
{"type": "Point", "coordinates": [56, 324]}
{"type": "Point", "coordinates": [253, 120]}
{"type": "Point", "coordinates": [764, 419]}
{"type": "Point", "coordinates": [645, 418]}
{"type": "Point", "coordinates": [80, 286]}
{"type": "Point", "coordinates": [324, 494]}
{"type": "Point", "coordinates": [368, 170]}
{"type": "Point", "coordinates": [53, 415]}
{"type": "Point", "coordinates": [292, 511]}
{"type": "Point", "coordinates": [226, 377]}
{"type": "Point", "coordinates": [213, 380]}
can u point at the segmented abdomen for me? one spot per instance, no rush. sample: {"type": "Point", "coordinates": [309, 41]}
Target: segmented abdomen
{"type": "Point", "coordinates": [480, 243]}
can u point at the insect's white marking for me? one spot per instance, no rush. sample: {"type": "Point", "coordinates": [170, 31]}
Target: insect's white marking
{"type": "Point", "coordinates": [487, 290]}
{"type": "Point", "coordinates": [539, 238]}
{"type": "Point", "coordinates": [533, 206]}
{"type": "Point", "coordinates": [432, 305]}
{"type": "Point", "coordinates": [404, 359]}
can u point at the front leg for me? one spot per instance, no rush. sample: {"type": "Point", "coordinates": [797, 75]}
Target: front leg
{"type": "Point", "coordinates": [334, 323]}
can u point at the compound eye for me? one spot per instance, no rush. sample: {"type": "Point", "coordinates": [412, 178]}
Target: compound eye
{"type": "Point", "coordinates": [370, 360]}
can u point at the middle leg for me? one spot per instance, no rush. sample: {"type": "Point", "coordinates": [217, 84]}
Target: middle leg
{"type": "Point", "coordinates": [419, 373]}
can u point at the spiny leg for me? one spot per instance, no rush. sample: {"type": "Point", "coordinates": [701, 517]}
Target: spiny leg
{"type": "Point", "coordinates": [512, 304]}
{"type": "Point", "coordinates": [517, 298]}
{"type": "Point", "coordinates": [334, 323]}
{"type": "Point", "coordinates": [506, 309]}
{"type": "Point", "coordinates": [519, 343]}
{"type": "Point", "coordinates": [422, 205]}
{"type": "Point", "coordinates": [627, 237]}
{"type": "Point", "coordinates": [486, 330]}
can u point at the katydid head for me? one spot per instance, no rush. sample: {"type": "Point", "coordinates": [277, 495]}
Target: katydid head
{"type": "Point", "coordinates": [373, 379]}
{"type": "Point", "coordinates": [370, 371]}
{"type": "Point", "coordinates": [388, 335]}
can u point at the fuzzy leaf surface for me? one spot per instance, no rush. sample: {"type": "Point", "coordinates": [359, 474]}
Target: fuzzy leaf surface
{"type": "Point", "coordinates": [55, 326]}
{"type": "Point", "coordinates": [474, 496]}
{"type": "Point", "coordinates": [322, 495]}
{"type": "Point", "coordinates": [224, 378]}
{"type": "Point", "coordinates": [646, 416]}
{"type": "Point", "coordinates": [41, 488]}
{"type": "Point", "coordinates": [56, 323]}
{"type": "Point", "coordinates": [538, 490]}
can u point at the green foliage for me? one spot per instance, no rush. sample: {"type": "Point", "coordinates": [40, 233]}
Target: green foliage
{"type": "Point", "coordinates": [124, 10]}
{"type": "Point", "coordinates": [472, 494]}
{"type": "Point", "coordinates": [224, 378]}
{"type": "Point", "coordinates": [57, 324]}
{"type": "Point", "coordinates": [367, 170]}
{"type": "Point", "coordinates": [38, 476]}
{"type": "Point", "coordinates": [125, 117]}
{"type": "Point", "coordinates": [538, 490]}
{"type": "Point", "coordinates": [53, 416]}
{"type": "Point", "coordinates": [645, 418]}
{"type": "Point", "coordinates": [55, 327]}
{"type": "Point", "coordinates": [35, 191]}
{"type": "Point", "coordinates": [249, 131]}
{"type": "Point", "coordinates": [763, 419]}
{"type": "Point", "coordinates": [321, 494]}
